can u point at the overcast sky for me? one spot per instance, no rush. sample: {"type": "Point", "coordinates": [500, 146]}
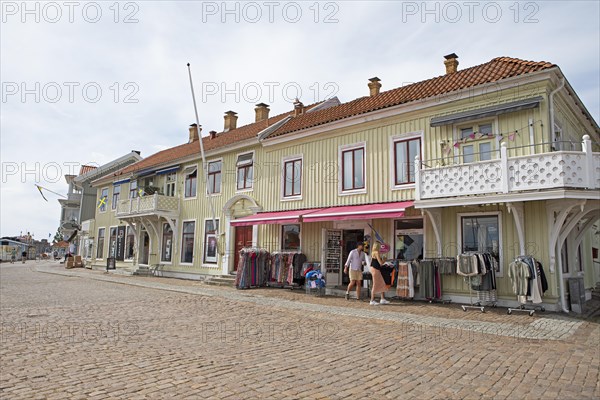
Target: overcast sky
{"type": "Point", "coordinates": [87, 82]}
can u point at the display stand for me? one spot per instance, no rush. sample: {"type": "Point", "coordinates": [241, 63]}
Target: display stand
{"type": "Point", "coordinates": [523, 309]}
{"type": "Point", "coordinates": [479, 306]}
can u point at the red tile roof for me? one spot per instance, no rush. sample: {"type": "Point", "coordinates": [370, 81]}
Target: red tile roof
{"type": "Point", "coordinates": [187, 149]}
{"type": "Point", "coordinates": [86, 168]}
{"type": "Point", "coordinates": [494, 70]}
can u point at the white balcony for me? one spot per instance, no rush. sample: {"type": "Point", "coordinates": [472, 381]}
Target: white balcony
{"type": "Point", "coordinates": [148, 205]}
{"type": "Point", "coordinates": [507, 175]}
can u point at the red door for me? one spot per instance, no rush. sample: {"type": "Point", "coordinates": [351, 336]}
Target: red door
{"type": "Point", "coordinates": [243, 238]}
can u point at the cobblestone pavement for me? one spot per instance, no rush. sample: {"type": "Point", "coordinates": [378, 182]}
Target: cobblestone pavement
{"type": "Point", "coordinates": [83, 334]}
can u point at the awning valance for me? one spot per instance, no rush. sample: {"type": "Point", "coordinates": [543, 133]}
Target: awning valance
{"type": "Point", "coordinates": [167, 170]}
{"type": "Point", "coordinates": [120, 182]}
{"type": "Point", "coordinates": [365, 211]}
{"type": "Point", "coordinates": [485, 112]}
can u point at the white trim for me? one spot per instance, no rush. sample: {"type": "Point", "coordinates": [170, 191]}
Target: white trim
{"type": "Point", "coordinates": [204, 262]}
{"type": "Point", "coordinates": [498, 214]}
{"type": "Point", "coordinates": [160, 243]}
{"type": "Point", "coordinates": [167, 182]}
{"type": "Point", "coordinates": [284, 160]}
{"type": "Point", "coordinates": [392, 143]}
{"type": "Point", "coordinates": [194, 241]}
{"type": "Point", "coordinates": [185, 174]}
{"type": "Point", "coordinates": [429, 102]}
{"type": "Point", "coordinates": [106, 203]}
{"type": "Point", "coordinates": [115, 205]}
{"type": "Point", "coordinates": [347, 147]}
{"type": "Point", "coordinates": [208, 162]}
{"type": "Point", "coordinates": [237, 155]}
{"type": "Point", "coordinates": [103, 242]}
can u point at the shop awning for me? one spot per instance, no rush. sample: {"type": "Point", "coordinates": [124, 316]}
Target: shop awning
{"type": "Point", "coordinates": [167, 170]}
{"type": "Point", "coordinates": [275, 217]}
{"type": "Point", "coordinates": [365, 211]}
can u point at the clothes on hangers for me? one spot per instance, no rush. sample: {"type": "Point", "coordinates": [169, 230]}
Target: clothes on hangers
{"type": "Point", "coordinates": [467, 264]}
{"type": "Point", "coordinates": [253, 267]}
{"type": "Point", "coordinates": [528, 279]}
{"type": "Point", "coordinates": [405, 285]}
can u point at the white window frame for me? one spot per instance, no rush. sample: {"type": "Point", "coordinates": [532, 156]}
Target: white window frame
{"type": "Point", "coordinates": [281, 236]}
{"type": "Point", "coordinates": [296, 157]}
{"type": "Point", "coordinates": [208, 162]}
{"type": "Point", "coordinates": [392, 143]}
{"type": "Point", "coordinates": [206, 264]}
{"type": "Point", "coordinates": [498, 214]}
{"type": "Point", "coordinates": [194, 252]}
{"type": "Point", "coordinates": [103, 242]}
{"type": "Point", "coordinates": [162, 236]}
{"type": "Point", "coordinates": [185, 175]}
{"type": "Point", "coordinates": [174, 184]}
{"type": "Point", "coordinates": [127, 230]}
{"type": "Point", "coordinates": [115, 204]}
{"type": "Point", "coordinates": [250, 189]}
{"type": "Point", "coordinates": [106, 202]}
{"type": "Point", "coordinates": [458, 154]}
{"type": "Point", "coordinates": [341, 150]}
{"type": "Point", "coordinates": [137, 190]}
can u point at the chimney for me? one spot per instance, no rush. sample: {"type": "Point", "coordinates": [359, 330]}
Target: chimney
{"type": "Point", "coordinates": [298, 108]}
{"type": "Point", "coordinates": [374, 86]}
{"type": "Point", "coordinates": [193, 133]}
{"type": "Point", "coordinates": [213, 134]}
{"type": "Point", "coordinates": [230, 121]}
{"type": "Point", "coordinates": [262, 112]}
{"type": "Point", "coordinates": [451, 63]}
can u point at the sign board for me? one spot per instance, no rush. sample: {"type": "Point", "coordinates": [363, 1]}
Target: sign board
{"type": "Point", "coordinates": [120, 252]}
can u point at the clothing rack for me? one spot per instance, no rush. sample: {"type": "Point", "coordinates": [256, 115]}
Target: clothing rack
{"type": "Point", "coordinates": [468, 265]}
{"type": "Point", "coordinates": [253, 266]}
{"type": "Point", "coordinates": [283, 272]}
{"type": "Point", "coordinates": [529, 283]}
{"type": "Point", "coordinates": [431, 286]}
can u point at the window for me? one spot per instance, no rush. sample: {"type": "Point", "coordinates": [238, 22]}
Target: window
{"type": "Point", "coordinates": [116, 194]}
{"type": "Point", "coordinates": [100, 246]}
{"type": "Point", "coordinates": [103, 200]}
{"type": "Point", "coordinates": [133, 189]}
{"type": "Point", "coordinates": [210, 241]}
{"type": "Point", "coordinates": [292, 178]}
{"type": "Point", "coordinates": [112, 243]}
{"type": "Point", "coordinates": [405, 152]}
{"type": "Point", "coordinates": [190, 183]}
{"type": "Point", "coordinates": [167, 242]}
{"type": "Point", "coordinates": [290, 237]}
{"type": "Point", "coordinates": [129, 244]}
{"type": "Point", "coordinates": [481, 234]}
{"type": "Point", "coordinates": [187, 242]}
{"type": "Point", "coordinates": [170, 184]}
{"type": "Point", "coordinates": [245, 171]}
{"type": "Point", "coordinates": [408, 240]}
{"type": "Point", "coordinates": [479, 144]}
{"type": "Point", "coordinates": [353, 169]}
{"type": "Point", "coordinates": [214, 177]}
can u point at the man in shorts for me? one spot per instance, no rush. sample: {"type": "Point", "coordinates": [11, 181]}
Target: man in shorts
{"type": "Point", "coordinates": [354, 264]}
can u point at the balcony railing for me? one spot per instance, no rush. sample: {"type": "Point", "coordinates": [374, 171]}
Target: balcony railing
{"type": "Point", "coordinates": [553, 170]}
{"type": "Point", "coordinates": [147, 205]}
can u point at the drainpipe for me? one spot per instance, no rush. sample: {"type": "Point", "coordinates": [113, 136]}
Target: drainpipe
{"type": "Point", "coordinates": [561, 281]}
{"type": "Point", "coordinates": [551, 101]}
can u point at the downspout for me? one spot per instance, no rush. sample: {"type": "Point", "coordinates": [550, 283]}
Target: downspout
{"type": "Point", "coordinates": [551, 101]}
{"type": "Point", "coordinates": [561, 281]}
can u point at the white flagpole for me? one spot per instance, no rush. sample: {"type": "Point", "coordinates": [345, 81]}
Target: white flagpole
{"type": "Point", "coordinates": [204, 164]}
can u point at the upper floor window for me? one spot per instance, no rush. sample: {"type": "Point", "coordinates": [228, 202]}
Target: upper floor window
{"type": "Point", "coordinates": [191, 177]}
{"type": "Point", "coordinates": [133, 189]}
{"type": "Point", "coordinates": [103, 199]}
{"type": "Point", "coordinates": [405, 152]}
{"type": "Point", "coordinates": [245, 163]}
{"type": "Point", "coordinates": [292, 178]}
{"type": "Point", "coordinates": [214, 177]}
{"type": "Point", "coordinates": [479, 144]}
{"type": "Point", "coordinates": [116, 195]}
{"type": "Point", "coordinates": [353, 169]}
{"type": "Point", "coordinates": [170, 184]}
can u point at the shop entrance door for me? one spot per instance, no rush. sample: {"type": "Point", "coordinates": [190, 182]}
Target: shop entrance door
{"type": "Point", "coordinates": [145, 248]}
{"type": "Point", "coordinates": [243, 238]}
{"type": "Point", "coordinates": [350, 238]}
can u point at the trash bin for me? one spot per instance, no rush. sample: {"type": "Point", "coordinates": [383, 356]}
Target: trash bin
{"type": "Point", "coordinates": [111, 263]}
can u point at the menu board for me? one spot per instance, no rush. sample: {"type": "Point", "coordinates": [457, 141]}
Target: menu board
{"type": "Point", "coordinates": [333, 251]}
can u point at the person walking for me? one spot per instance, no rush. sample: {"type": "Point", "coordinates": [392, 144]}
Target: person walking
{"type": "Point", "coordinates": [24, 256]}
{"type": "Point", "coordinates": [13, 255]}
{"type": "Point", "coordinates": [353, 266]}
{"type": "Point", "coordinates": [379, 285]}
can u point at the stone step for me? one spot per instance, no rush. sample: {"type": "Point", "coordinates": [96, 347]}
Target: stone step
{"type": "Point", "coordinates": [222, 280]}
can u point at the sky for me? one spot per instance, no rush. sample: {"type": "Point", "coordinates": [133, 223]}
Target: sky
{"type": "Point", "coordinates": [87, 82]}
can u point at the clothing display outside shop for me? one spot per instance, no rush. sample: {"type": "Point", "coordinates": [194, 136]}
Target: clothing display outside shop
{"type": "Point", "coordinates": [479, 270]}
{"type": "Point", "coordinates": [253, 267]}
{"type": "Point", "coordinates": [285, 268]}
{"type": "Point", "coordinates": [528, 279]}
{"type": "Point", "coordinates": [430, 276]}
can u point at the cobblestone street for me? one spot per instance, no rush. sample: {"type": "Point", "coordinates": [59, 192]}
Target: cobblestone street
{"type": "Point", "coordinates": [83, 334]}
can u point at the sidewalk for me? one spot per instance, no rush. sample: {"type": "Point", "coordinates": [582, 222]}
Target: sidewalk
{"type": "Point", "coordinates": [542, 326]}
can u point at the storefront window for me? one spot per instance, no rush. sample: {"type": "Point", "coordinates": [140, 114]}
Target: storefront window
{"type": "Point", "coordinates": [129, 244]}
{"type": "Point", "coordinates": [100, 247]}
{"type": "Point", "coordinates": [481, 234]}
{"type": "Point", "coordinates": [112, 249]}
{"type": "Point", "coordinates": [210, 242]}
{"type": "Point", "coordinates": [409, 239]}
{"type": "Point", "coordinates": [167, 241]}
{"type": "Point", "coordinates": [290, 238]}
{"type": "Point", "coordinates": [187, 242]}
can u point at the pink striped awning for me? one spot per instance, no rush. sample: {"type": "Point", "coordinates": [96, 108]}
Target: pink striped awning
{"type": "Point", "coordinates": [274, 217]}
{"type": "Point", "coordinates": [365, 211]}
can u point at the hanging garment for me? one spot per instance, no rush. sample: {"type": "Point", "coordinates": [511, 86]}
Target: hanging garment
{"type": "Point", "coordinates": [542, 276]}
{"type": "Point", "coordinates": [427, 274]}
{"type": "Point", "coordinates": [405, 286]}
{"type": "Point", "coordinates": [467, 264]}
